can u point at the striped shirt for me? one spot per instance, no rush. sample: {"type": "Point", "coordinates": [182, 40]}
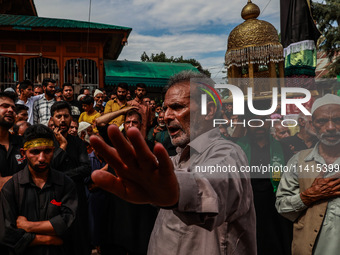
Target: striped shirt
{"type": "Point", "coordinates": [42, 111]}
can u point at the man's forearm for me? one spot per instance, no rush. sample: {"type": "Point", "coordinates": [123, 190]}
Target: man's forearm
{"type": "Point", "coordinates": [46, 240]}
{"type": "Point", "coordinates": [39, 227]}
{"type": "Point", "coordinates": [106, 118]}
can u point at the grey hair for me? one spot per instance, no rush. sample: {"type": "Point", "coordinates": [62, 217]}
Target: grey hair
{"type": "Point", "coordinates": [184, 76]}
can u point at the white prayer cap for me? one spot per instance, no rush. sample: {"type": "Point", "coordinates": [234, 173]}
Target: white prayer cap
{"type": "Point", "coordinates": [80, 97]}
{"type": "Point", "coordinates": [96, 92]}
{"type": "Point", "coordinates": [325, 100]}
{"type": "Point", "coordinates": [9, 90]}
{"type": "Point", "coordinates": [83, 126]}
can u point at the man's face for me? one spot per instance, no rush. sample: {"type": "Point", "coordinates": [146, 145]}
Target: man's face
{"type": "Point", "coordinates": [62, 120]}
{"type": "Point", "coordinates": [50, 89]}
{"type": "Point", "coordinates": [153, 104]}
{"type": "Point", "coordinates": [121, 94]}
{"type": "Point", "coordinates": [99, 98]}
{"type": "Point", "coordinates": [158, 109]}
{"type": "Point", "coordinates": [87, 92]}
{"type": "Point", "coordinates": [87, 107]}
{"type": "Point", "coordinates": [281, 132]}
{"type": "Point", "coordinates": [128, 95]}
{"type": "Point", "coordinates": [140, 92]}
{"type": "Point", "coordinates": [22, 115]}
{"type": "Point", "coordinates": [132, 121]}
{"type": "Point", "coordinates": [68, 93]}
{"type": "Point", "coordinates": [39, 158]}
{"type": "Point", "coordinates": [73, 130]}
{"type": "Point", "coordinates": [38, 91]}
{"type": "Point", "coordinates": [229, 107]}
{"type": "Point", "coordinates": [326, 121]}
{"type": "Point", "coordinates": [146, 100]}
{"type": "Point", "coordinates": [177, 113]}
{"type": "Point", "coordinates": [7, 112]}
{"type": "Point", "coordinates": [59, 96]}
{"type": "Point", "coordinates": [160, 119]}
{"type": "Point", "coordinates": [28, 92]}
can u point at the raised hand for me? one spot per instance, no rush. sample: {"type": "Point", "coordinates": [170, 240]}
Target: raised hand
{"type": "Point", "coordinates": [60, 138]}
{"type": "Point", "coordinates": [142, 177]}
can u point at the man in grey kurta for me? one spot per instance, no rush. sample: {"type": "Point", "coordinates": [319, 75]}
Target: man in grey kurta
{"type": "Point", "coordinates": [309, 193]}
{"type": "Point", "coordinates": [205, 208]}
{"type": "Point", "coordinates": [215, 212]}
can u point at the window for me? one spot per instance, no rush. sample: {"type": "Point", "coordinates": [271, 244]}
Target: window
{"type": "Point", "coordinates": [37, 69]}
{"type": "Point", "coordinates": [8, 72]}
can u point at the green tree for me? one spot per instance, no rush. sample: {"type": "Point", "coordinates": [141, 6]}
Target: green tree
{"type": "Point", "coordinates": [161, 57]}
{"type": "Point", "coordinates": [327, 16]}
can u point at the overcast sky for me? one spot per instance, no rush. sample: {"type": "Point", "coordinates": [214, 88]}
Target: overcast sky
{"type": "Point", "coordinates": [189, 28]}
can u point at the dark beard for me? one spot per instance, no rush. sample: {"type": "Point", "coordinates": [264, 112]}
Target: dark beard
{"type": "Point", "coordinates": [48, 93]}
{"type": "Point", "coordinates": [6, 124]}
{"type": "Point", "coordinates": [37, 169]}
{"type": "Point", "coordinates": [121, 98]}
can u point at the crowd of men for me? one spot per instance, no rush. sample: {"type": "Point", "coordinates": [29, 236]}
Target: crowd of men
{"type": "Point", "coordinates": [95, 172]}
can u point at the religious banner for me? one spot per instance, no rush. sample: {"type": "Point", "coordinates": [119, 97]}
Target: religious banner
{"type": "Point", "coordinates": [299, 36]}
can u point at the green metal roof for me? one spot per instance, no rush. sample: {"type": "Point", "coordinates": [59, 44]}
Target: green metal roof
{"type": "Point", "coordinates": [29, 22]}
{"type": "Point", "coordinates": [153, 74]}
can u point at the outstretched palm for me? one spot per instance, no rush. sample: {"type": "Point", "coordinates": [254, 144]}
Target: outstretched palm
{"type": "Point", "coordinates": [142, 177]}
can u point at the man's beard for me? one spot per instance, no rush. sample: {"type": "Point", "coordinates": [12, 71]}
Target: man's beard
{"type": "Point", "coordinates": [323, 140]}
{"type": "Point", "coordinates": [181, 138]}
{"type": "Point", "coordinates": [121, 97]}
{"type": "Point", "coordinates": [49, 93]}
{"type": "Point", "coordinates": [64, 129]}
{"type": "Point", "coordinates": [140, 96]}
{"type": "Point", "coordinates": [37, 169]}
{"type": "Point", "coordinates": [6, 124]}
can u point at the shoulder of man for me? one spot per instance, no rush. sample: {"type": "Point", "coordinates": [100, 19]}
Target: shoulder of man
{"type": "Point", "coordinates": [60, 178]}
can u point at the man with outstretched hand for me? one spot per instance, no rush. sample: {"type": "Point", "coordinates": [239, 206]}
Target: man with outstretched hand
{"type": "Point", "coordinates": [201, 213]}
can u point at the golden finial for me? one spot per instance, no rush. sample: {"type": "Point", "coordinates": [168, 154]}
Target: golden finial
{"type": "Point", "coordinates": [250, 11]}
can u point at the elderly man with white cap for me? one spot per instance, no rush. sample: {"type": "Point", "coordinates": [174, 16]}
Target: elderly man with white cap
{"type": "Point", "coordinates": [309, 194]}
{"type": "Point", "coordinates": [99, 99]}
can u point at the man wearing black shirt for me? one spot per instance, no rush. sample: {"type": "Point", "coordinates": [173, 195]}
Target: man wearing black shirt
{"type": "Point", "coordinates": [72, 159]}
{"type": "Point", "coordinates": [11, 161]}
{"type": "Point", "coordinates": [38, 204]}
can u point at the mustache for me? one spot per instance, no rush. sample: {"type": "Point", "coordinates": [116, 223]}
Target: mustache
{"type": "Point", "coordinates": [174, 125]}
{"type": "Point", "coordinates": [327, 134]}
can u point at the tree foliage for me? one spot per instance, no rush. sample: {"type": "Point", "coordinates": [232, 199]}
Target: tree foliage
{"type": "Point", "coordinates": [327, 16]}
{"type": "Point", "coordinates": [161, 57]}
